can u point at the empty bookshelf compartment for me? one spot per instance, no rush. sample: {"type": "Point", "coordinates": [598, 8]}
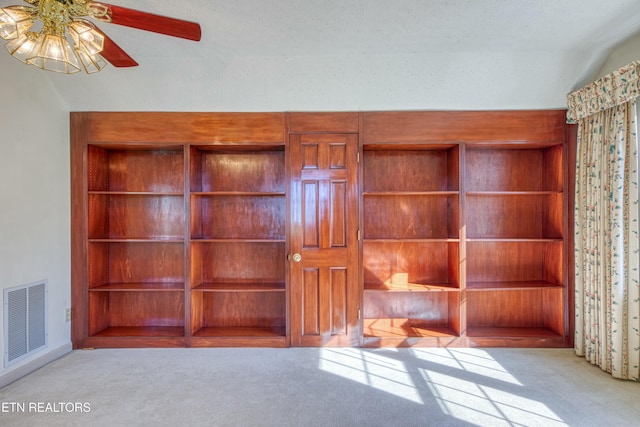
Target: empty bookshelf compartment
{"type": "Point", "coordinates": [515, 216]}
{"type": "Point", "coordinates": [238, 265]}
{"type": "Point", "coordinates": [528, 313]}
{"type": "Point", "coordinates": [136, 265]}
{"type": "Point", "coordinates": [136, 216]}
{"type": "Point", "coordinates": [158, 170]}
{"type": "Point", "coordinates": [411, 168]}
{"type": "Point", "coordinates": [410, 216]}
{"type": "Point", "coordinates": [410, 265]}
{"type": "Point", "coordinates": [238, 169]}
{"type": "Point", "coordinates": [238, 314]}
{"type": "Point", "coordinates": [259, 217]}
{"type": "Point", "coordinates": [492, 263]}
{"type": "Point", "coordinates": [515, 168]}
{"type": "Point", "coordinates": [408, 314]}
{"type": "Point", "coordinates": [136, 313]}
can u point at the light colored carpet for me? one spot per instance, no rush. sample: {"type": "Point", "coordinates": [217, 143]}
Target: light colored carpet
{"type": "Point", "coordinates": [320, 387]}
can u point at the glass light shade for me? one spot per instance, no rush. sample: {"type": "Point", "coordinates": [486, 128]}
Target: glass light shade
{"type": "Point", "coordinates": [86, 37]}
{"type": "Point", "coordinates": [13, 23]}
{"type": "Point", "coordinates": [91, 63]}
{"type": "Point", "coordinates": [22, 47]}
{"type": "Point", "coordinates": [54, 53]}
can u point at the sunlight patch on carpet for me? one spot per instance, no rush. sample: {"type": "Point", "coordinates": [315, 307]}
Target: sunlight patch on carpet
{"type": "Point", "coordinates": [374, 370]}
{"type": "Point", "coordinates": [482, 405]}
{"type": "Point", "coordinates": [467, 359]}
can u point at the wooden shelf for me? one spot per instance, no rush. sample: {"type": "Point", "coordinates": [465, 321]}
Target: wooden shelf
{"type": "Point", "coordinates": [399, 240]}
{"type": "Point", "coordinates": [237, 193]}
{"type": "Point", "coordinates": [515, 240]}
{"type": "Point", "coordinates": [241, 331]}
{"type": "Point", "coordinates": [485, 286]}
{"type": "Point", "coordinates": [512, 193]}
{"type": "Point", "coordinates": [401, 328]}
{"type": "Point", "coordinates": [141, 331]}
{"type": "Point", "coordinates": [488, 332]}
{"type": "Point", "coordinates": [409, 287]}
{"type": "Point", "coordinates": [409, 193]}
{"type": "Point", "coordinates": [148, 287]}
{"type": "Point", "coordinates": [136, 193]}
{"type": "Point", "coordinates": [236, 148]}
{"type": "Point", "coordinates": [240, 287]}
{"type": "Point", "coordinates": [248, 240]}
{"type": "Point", "coordinates": [410, 146]}
{"type": "Point", "coordinates": [139, 240]}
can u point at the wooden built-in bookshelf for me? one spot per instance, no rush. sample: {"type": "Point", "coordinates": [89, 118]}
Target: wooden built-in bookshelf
{"type": "Point", "coordinates": [182, 226]}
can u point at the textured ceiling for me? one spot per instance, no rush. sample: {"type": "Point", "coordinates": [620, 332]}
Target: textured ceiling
{"type": "Point", "coordinates": [356, 54]}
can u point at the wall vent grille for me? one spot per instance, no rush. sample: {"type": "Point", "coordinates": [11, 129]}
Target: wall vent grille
{"type": "Point", "coordinates": [25, 321]}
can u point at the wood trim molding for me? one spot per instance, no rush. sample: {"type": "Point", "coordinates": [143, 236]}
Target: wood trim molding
{"type": "Point", "coordinates": [464, 126]}
{"type": "Point", "coordinates": [178, 128]}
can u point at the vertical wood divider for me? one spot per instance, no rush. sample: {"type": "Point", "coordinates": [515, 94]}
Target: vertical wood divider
{"type": "Point", "coordinates": [361, 229]}
{"type": "Point", "coordinates": [187, 244]}
{"type": "Point", "coordinates": [79, 230]}
{"type": "Point", "coordinates": [571, 136]}
{"type": "Point", "coordinates": [462, 246]}
{"type": "Point", "coordinates": [287, 229]}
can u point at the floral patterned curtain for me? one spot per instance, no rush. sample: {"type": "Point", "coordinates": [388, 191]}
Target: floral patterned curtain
{"type": "Point", "coordinates": [613, 89]}
{"type": "Point", "coordinates": [607, 292]}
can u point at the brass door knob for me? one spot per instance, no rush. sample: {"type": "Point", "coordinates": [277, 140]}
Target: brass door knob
{"type": "Point", "coordinates": [297, 257]}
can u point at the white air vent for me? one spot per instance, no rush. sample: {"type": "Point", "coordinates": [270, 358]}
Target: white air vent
{"type": "Point", "coordinates": [25, 321]}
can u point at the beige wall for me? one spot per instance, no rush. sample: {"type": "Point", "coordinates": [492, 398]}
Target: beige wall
{"type": "Point", "coordinates": [622, 55]}
{"type": "Point", "coordinates": [34, 196]}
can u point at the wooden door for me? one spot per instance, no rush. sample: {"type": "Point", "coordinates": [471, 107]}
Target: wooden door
{"type": "Point", "coordinates": [324, 240]}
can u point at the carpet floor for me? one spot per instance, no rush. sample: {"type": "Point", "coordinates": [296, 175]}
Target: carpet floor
{"type": "Point", "coordinates": [320, 387]}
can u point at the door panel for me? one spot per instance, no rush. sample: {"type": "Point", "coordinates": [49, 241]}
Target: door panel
{"type": "Point", "coordinates": [324, 227]}
{"type": "Point", "coordinates": [310, 214]}
{"type": "Point", "coordinates": [311, 301]}
{"type": "Point", "coordinates": [339, 301]}
{"type": "Point", "coordinates": [338, 217]}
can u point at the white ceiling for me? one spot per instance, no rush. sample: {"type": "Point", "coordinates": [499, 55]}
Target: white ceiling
{"type": "Point", "coordinates": [260, 55]}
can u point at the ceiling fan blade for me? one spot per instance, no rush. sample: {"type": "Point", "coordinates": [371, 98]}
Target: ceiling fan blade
{"type": "Point", "coordinates": [114, 53]}
{"type": "Point", "coordinates": [155, 23]}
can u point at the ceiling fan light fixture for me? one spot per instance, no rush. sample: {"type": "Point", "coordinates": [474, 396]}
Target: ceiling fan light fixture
{"type": "Point", "coordinates": [14, 21]}
{"type": "Point", "coordinates": [53, 52]}
{"type": "Point", "coordinates": [66, 42]}
{"type": "Point", "coordinates": [85, 37]}
{"type": "Point", "coordinates": [22, 47]}
{"type": "Point", "coordinates": [90, 63]}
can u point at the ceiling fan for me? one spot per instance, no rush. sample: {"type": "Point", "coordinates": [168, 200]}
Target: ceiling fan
{"type": "Point", "coordinates": [62, 21]}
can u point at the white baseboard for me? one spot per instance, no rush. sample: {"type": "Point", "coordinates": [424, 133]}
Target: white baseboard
{"type": "Point", "coordinates": [35, 364]}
